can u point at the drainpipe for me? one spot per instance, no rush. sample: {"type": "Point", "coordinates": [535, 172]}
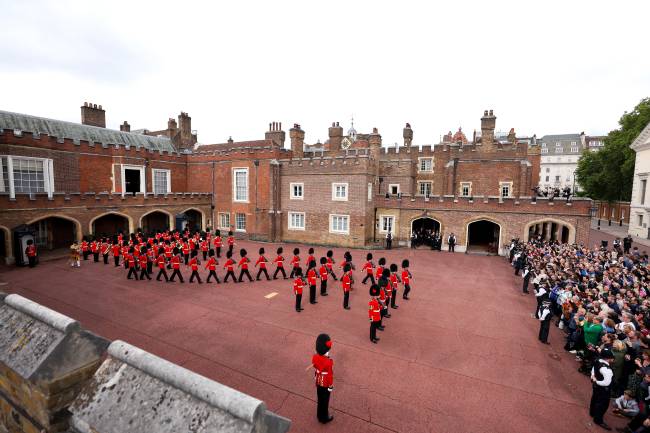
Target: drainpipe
{"type": "Point", "coordinates": [256, 163]}
{"type": "Point", "coordinates": [212, 199]}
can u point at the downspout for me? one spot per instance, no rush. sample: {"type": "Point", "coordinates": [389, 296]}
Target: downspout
{"type": "Point", "coordinates": [212, 201]}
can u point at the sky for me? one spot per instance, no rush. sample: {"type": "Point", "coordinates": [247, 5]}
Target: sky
{"type": "Point", "coordinates": [546, 67]}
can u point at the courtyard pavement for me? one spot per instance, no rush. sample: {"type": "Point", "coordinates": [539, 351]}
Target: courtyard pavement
{"type": "Point", "coordinates": [461, 356]}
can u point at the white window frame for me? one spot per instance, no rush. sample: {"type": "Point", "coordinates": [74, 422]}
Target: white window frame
{"type": "Point", "coordinates": [169, 179]}
{"type": "Point", "coordinates": [369, 191]}
{"type": "Point", "coordinates": [236, 170]}
{"type": "Point", "coordinates": [339, 232]}
{"type": "Point", "coordinates": [347, 191]}
{"type": "Point", "coordinates": [237, 229]}
{"type": "Point", "coordinates": [292, 196]}
{"type": "Point", "coordinates": [504, 184]}
{"type": "Point", "coordinates": [469, 189]}
{"type": "Point", "coordinates": [424, 182]}
{"type": "Point", "coordinates": [220, 215]}
{"type": "Point", "coordinates": [390, 188]}
{"type": "Point", "coordinates": [382, 225]}
{"type": "Point", "coordinates": [544, 150]}
{"type": "Point", "coordinates": [290, 222]}
{"type": "Point", "coordinates": [124, 167]}
{"type": "Point", "coordinates": [421, 160]}
{"type": "Point", "coordinates": [48, 174]}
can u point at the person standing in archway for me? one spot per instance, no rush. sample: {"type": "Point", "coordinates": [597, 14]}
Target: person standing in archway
{"type": "Point", "coordinates": [451, 242]}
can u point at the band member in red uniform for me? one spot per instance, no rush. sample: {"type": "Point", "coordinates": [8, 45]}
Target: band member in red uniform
{"type": "Point", "coordinates": [406, 279]}
{"type": "Point", "coordinates": [324, 373]}
{"type": "Point", "coordinates": [85, 248]}
{"type": "Point", "coordinates": [231, 242]}
{"type": "Point", "coordinates": [194, 265]}
{"type": "Point", "coordinates": [116, 252]}
{"type": "Point", "coordinates": [295, 262]}
{"type": "Point", "coordinates": [105, 249]}
{"type": "Point", "coordinates": [129, 259]}
{"type": "Point", "coordinates": [279, 262]}
{"type": "Point", "coordinates": [380, 268]}
{"type": "Point", "coordinates": [384, 292]}
{"type": "Point", "coordinates": [243, 264]}
{"type": "Point", "coordinates": [94, 248]}
{"type": "Point", "coordinates": [176, 265]}
{"type": "Point", "coordinates": [218, 242]}
{"type": "Point", "coordinates": [125, 252]}
{"type": "Point", "coordinates": [186, 251]}
{"type": "Point", "coordinates": [261, 262]}
{"type": "Point", "coordinates": [169, 253]}
{"type": "Point", "coordinates": [143, 259]}
{"type": "Point", "coordinates": [330, 264]}
{"type": "Point", "coordinates": [30, 252]}
{"type": "Point", "coordinates": [374, 313]}
{"type": "Point", "coordinates": [205, 246]}
{"type": "Point", "coordinates": [230, 267]}
{"type": "Point", "coordinates": [161, 265]}
{"type": "Point", "coordinates": [347, 261]}
{"type": "Point", "coordinates": [311, 281]}
{"type": "Point", "coordinates": [298, 285]}
{"type": "Point", "coordinates": [211, 266]}
{"type": "Point", "coordinates": [346, 284]}
{"type": "Point", "coordinates": [322, 271]}
{"type": "Point", "coordinates": [310, 257]}
{"type": "Point", "coordinates": [151, 258]}
{"type": "Point", "coordinates": [368, 268]}
{"type": "Point", "coordinates": [394, 280]}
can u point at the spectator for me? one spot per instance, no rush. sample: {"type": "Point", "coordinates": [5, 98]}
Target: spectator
{"type": "Point", "coordinates": [626, 405]}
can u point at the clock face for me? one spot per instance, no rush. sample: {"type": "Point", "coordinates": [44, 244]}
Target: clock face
{"type": "Point", "coordinates": [346, 143]}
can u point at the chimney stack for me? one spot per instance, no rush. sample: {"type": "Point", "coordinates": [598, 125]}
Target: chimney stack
{"type": "Point", "coordinates": [407, 133]}
{"type": "Point", "coordinates": [93, 115]}
{"type": "Point", "coordinates": [297, 137]}
{"type": "Point", "coordinates": [488, 124]}
{"type": "Point", "coordinates": [336, 136]}
{"type": "Point", "coordinates": [186, 138]}
{"type": "Point", "coordinates": [125, 127]}
{"type": "Point", "coordinates": [276, 134]}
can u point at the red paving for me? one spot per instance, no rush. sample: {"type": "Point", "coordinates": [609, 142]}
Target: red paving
{"type": "Point", "coordinates": [461, 356]}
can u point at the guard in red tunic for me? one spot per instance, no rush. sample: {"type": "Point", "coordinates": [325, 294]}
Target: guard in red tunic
{"type": "Point", "coordinates": [406, 279]}
{"type": "Point", "coordinates": [105, 250]}
{"type": "Point", "coordinates": [330, 263]}
{"type": "Point", "coordinates": [116, 253]}
{"type": "Point", "coordinates": [143, 259]}
{"type": "Point", "coordinates": [231, 242]}
{"type": "Point", "coordinates": [160, 261]}
{"type": "Point", "coordinates": [279, 262]}
{"type": "Point", "coordinates": [230, 267]}
{"type": "Point", "coordinates": [94, 248]}
{"type": "Point", "coordinates": [324, 373]}
{"type": "Point", "coordinates": [211, 266]}
{"type": "Point", "coordinates": [194, 265]}
{"type": "Point", "coordinates": [261, 262]}
{"type": "Point", "coordinates": [311, 281]}
{"type": "Point", "coordinates": [129, 259]}
{"type": "Point", "coordinates": [298, 285]}
{"type": "Point", "coordinates": [384, 287]}
{"type": "Point", "coordinates": [186, 251]}
{"type": "Point", "coordinates": [346, 284]}
{"type": "Point", "coordinates": [176, 265]}
{"type": "Point", "coordinates": [323, 272]}
{"type": "Point", "coordinates": [30, 252]}
{"type": "Point", "coordinates": [374, 313]}
{"type": "Point", "coordinates": [205, 246]}
{"type": "Point", "coordinates": [380, 268]}
{"type": "Point", "coordinates": [394, 280]}
{"type": "Point", "coordinates": [368, 267]}
{"type": "Point", "coordinates": [218, 242]}
{"type": "Point", "coordinates": [85, 249]}
{"type": "Point", "coordinates": [295, 262]}
{"type": "Point", "coordinates": [243, 264]}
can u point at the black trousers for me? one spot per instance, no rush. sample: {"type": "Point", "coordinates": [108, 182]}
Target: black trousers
{"type": "Point", "coordinates": [392, 298]}
{"type": "Point", "coordinates": [205, 256]}
{"type": "Point", "coordinates": [117, 260]}
{"type": "Point", "coordinates": [526, 283]}
{"type": "Point", "coordinates": [279, 269]}
{"type": "Point", "coordinates": [150, 268]}
{"type": "Point", "coordinates": [389, 244]}
{"type": "Point", "coordinates": [312, 294]}
{"type": "Point", "coordinates": [346, 299]}
{"type": "Point", "coordinates": [230, 274]}
{"type": "Point", "coordinates": [144, 274]}
{"type": "Point", "coordinates": [133, 272]}
{"type": "Point", "coordinates": [176, 272]}
{"type": "Point", "coordinates": [539, 306]}
{"type": "Point", "coordinates": [373, 330]}
{"type": "Point", "coordinates": [599, 403]}
{"type": "Point", "coordinates": [85, 254]}
{"type": "Point", "coordinates": [293, 272]}
{"type": "Point", "coordinates": [195, 274]}
{"type": "Point", "coordinates": [298, 302]}
{"type": "Point", "coordinates": [262, 271]}
{"type": "Point", "coordinates": [212, 274]}
{"type": "Point", "coordinates": [322, 407]}
{"type": "Point", "coordinates": [407, 289]}
{"type": "Point", "coordinates": [372, 279]}
{"type": "Point", "coordinates": [96, 257]}
{"type": "Point", "coordinates": [323, 287]}
{"type": "Point", "coordinates": [230, 247]}
{"type": "Point", "coordinates": [187, 258]}
{"type": "Point", "coordinates": [544, 327]}
{"type": "Point", "coordinates": [218, 252]}
{"type": "Point", "coordinates": [451, 248]}
{"type": "Point", "coordinates": [245, 272]}
{"type": "Point", "coordinates": [163, 272]}
{"type": "Point", "coordinates": [105, 259]}
{"type": "Point", "coordinates": [331, 271]}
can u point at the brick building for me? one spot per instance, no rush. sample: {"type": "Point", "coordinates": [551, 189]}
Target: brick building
{"type": "Point", "coordinates": [66, 180]}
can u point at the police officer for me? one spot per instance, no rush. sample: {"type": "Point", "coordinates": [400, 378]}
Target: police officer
{"type": "Point", "coordinates": [323, 371]}
{"type": "Point", "coordinates": [601, 379]}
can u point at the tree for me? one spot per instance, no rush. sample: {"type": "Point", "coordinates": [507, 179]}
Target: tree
{"type": "Point", "coordinates": [608, 174]}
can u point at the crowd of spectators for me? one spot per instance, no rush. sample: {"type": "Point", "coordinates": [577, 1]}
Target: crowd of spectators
{"type": "Point", "coordinates": [600, 298]}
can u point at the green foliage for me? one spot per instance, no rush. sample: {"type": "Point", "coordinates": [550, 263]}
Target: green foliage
{"type": "Point", "coordinates": [608, 174]}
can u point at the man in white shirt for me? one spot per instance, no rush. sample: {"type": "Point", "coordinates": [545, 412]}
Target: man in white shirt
{"type": "Point", "coordinates": [601, 379]}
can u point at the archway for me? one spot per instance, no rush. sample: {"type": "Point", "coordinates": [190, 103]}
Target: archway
{"type": "Point", "coordinates": [483, 236]}
{"type": "Point", "coordinates": [550, 229]}
{"type": "Point", "coordinates": [155, 220]}
{"type": "Point", "coordinates": [54, 232]}
{"type": "Point", "coordinates": [423, 230]}
{"type": "Point", "coordinates": [109, 224]}
{"type": "Point", "coordinates": [6, 254]}
{"type": "Point", "coordinates": [194, 219]}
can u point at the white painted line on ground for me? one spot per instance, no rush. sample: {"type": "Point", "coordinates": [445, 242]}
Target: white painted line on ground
{"type": "Point", "coordinates": [271, 295]}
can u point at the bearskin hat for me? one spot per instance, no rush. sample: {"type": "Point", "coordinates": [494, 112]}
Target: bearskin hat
{"type": "Point", "coordinates": [230, 233]}
{"type": "Point", "coordinates": [393, 267]}
{"type": "Point", "coordinates": [369, 256]}
{"type": "Point", "coordinates": [405, 263]}
{"type": "Point", "coordinates": [374, 290]}
{"type": "Point", "coordinates": [347, 268]}
{"type": "Point", "coordinates": [323, 344]}
{"type": "Point", "coordinates": [176, 250]}
{"type": "Point", "coordinates": [242, 253]}
{"type": "Point", "coordinates": [312, 264]}
{"type": "Point", "coordinates": [298, 272]}
{"type": "Point", "coordinates": [385, 273]}
{"type": "Point", "coordinates": [279, 251]}
{"type": "Point", "coordinates": [330, 253]}
{"type": "Point", "coordinates": [311, 251]}
{"type": "Point", "coordinates": [323, 260]}
{"type": "Point", "coordinates": [217, 232]}
{"type": "Point", "coordinates": [161, 250]}
{"type": "Point", "coordinates": [348, 256]}
{"type": "Point", "coordinates": [296, 251]}
{"type": "Point", "coordinates": [261, 250]}
{"type": "Point", "coordinates": [382, 261]}
{"type": "Point", "coordinates": [228, 254]}
{"type": "Point", "coordinates": [211, 252]}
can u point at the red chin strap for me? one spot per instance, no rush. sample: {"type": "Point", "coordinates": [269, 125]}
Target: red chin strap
{"type": "Point", "coordinates": [329, 344]}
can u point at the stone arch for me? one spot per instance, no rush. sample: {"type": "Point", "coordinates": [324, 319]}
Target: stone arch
{"type": "Point", "coordinates": [96, 217]}
{"type": "Point", "coordinates": [77, 224]}
{"type": "Point", "coordinates": [8, 256]}
{"type": "Point", "coordinates": [170, 221]}
{"type": "Point", "coordinates": [424, 216]}
{"type": "Point", "coordinates": [487, 218]}
{"type": "Point", "coordinates": [572, 229]}
{"type": "Point", "coordinates": [196, 209]}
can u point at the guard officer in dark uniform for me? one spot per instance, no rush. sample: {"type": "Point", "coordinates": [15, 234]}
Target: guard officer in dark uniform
{"type": "Point", "coordinates": [601, 379]}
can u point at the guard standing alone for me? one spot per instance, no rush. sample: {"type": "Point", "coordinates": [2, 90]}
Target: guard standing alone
{"type": "Point", "coordinates": [323, 366]}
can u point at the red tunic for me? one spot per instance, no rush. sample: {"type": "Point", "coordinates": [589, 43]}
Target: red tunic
{"type": "Point", "coordinates": [368, 268]}
{"type": "Point", "coordinates": [143, 260]}
{"type": "Point", "coordinates": [295, 261]}
{"type": "Point", "coordinates": [244, 263]}
{"type": "Point", "coordinates": [217, 242]}
{"type": "Point", "coordinates": [374, 311]}
{"type": "Point", "coordinates": [231, 241]}
{"type": "Point", "coordinates": [323, 273]}
{"type": "Point", "coordinates": [280, 261]}
{"type": "Point", "coordinates": [261, 261]}
{"type": "Point", "coordinates": [194, 264]}
{"type": "Point", "coordinates": [176, 262]}
{"type": "Point", "coordinates": [406, 277]}
{"type": "Point", "coordinates": [297, 286]}
{"type": "Point", "coordinates": [204, 246]}
{"type": "Point", "coordinates": [211, 265]}
{"type": "Point", "coordinates": [324, 373]}
{"type": "Point", "coordinates": [230, 265]}
{"type": "Point", "coordinates": [393, 281]}
{"type": "Point", "coordinates": [330, 262]}
{"type": "Point", "coordinates": [130, 259]}
{"type": "Point", "coordinates": [30, 251]}
{"type": "Point", "coordinates": [116, 250]}
{"type": "Point", "coordinates": [311, 277]}
{"type": "Point", "coordinates": [345, 282]}
{"type": "Point", "coordinates": [380, 270]}
{"type": "Point", "coordinates": [161, 261]}
{"type": "Point", "coordinates": [309, 260]}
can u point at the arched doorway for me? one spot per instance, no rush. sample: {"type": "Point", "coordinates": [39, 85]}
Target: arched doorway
{"type": "Point", "coordinates": [194, 220]}
{"type": "Point", "coordinates": [109, 224]}
{"type": "Point", "coordinates": [553, 230]}
{"type": "Point", "coordinates": [154, 221]}
{"type": "Point", "coordinates": [54, 232]}
{"type": "Point", "coordinates": [483, 236]}
{"type": "Point", "coordinates": [423, 230]}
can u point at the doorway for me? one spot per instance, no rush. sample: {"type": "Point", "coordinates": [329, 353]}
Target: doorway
{"type": "Point", "coordinates": [423, 231]}
{"type": "Point", "coordinates": [483, 237]}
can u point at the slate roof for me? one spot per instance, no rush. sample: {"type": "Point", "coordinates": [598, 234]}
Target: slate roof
{"type": "Point", "coordinates": [565, 140]}
{"type": "Point", "coordinates": [75, 131]}
{"type": "Point", "coordinates": [643, 138]}
{"type": "Point", "coordinates": [234, 145]}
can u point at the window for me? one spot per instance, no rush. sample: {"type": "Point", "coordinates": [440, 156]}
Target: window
{"type": "Point", "coordinates": [573, 143]}
{"type": "Point", "coordinates": [644, 183]}
{"type": "Point", "coordinates": [240, 184]}
{"type": "Point", "coordinates": [224, 220]}
{"type": "Point", "coordinates": [640, 220]}
{"type": "Point", "coordinates": [558, 150]}
{"type": "Point", "coordinates": [426, 164]}
{"type": "Point", "coordinates": [544, 150]}
{"type": "Point", "coordinates": [387, 223]}
{"type": "Point", "coordinates": [546, 178]}
{"type": "Point", "coordinates": [558, 144]}
{"type": "Point", "coordinates": [26, 175]}
{"type": "Point", "coordinates": [296, 220]}
{"type": "Point", "coordinates": [574, 149]}
{"type": "Point", "coordinates": [161, 181]}
{"type": "Point", "coordinates": [465, 189]}
{"type": "Point", "coordinates": [557, 178]}
{"type": "Point", "coordinates": [548, 169]}
{"type": "Point", "coordinates": [543, 144]}
{"type": "Point", "coordinates": [369, 191]}
{"type": "Point", "coordinates": [296, 191]}
{"type": "Point", "coordinates": [340, 191]}
{"type": "Point", "coordinates": [393, 188]}
{"type": "Point", "coordinates": [240, 222]}
{"type": "Point", "coordinates": [340, 224]}
{"type": "Point", "coordinates": [424, 188]}
{"type": "Point", "coordinates": [504, 188]}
